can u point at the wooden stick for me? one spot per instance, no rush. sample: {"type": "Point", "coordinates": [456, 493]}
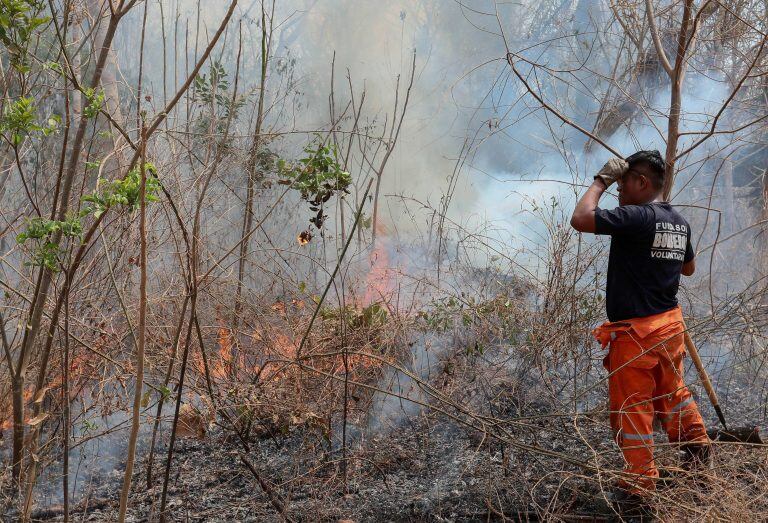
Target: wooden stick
{"type": "Point", "coordinates": [704, 377]}
{"type": "Point", "coordinates": [274, 498]}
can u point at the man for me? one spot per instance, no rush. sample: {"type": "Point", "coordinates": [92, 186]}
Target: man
{"type": "Point", "coordinates": [650, 248]}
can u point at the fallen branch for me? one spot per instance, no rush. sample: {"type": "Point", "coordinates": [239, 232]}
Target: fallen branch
{"type": "Point", "coordinates": [274, 498]}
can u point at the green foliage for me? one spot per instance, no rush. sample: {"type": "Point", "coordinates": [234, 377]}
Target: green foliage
{"type": "Point", "coordinates": [475, 349]}
{"type": "Point", "coordinates": [39, 228]}
{"type": "Point", "coordinates": [88, 426]}
{"type": "Point", "coordinates": [18, 20]}
{"type": "Point", "coordinates": [165, 392]}
{"type": "Point", "coordinates": [145, 398]}
{"type": "Point", "coordinates": [124, 192]}
{"type": "Point", "coordinates": [373, 316]}
{"type": "Point", "coordinates": [208, 88]}
{"type": "Point", "coordinates": [441, 315]}
{"type": "Point", "coordinates": [95, 99]}
{"type": "Point", "coordinates": [213, 89]}
{"type": "Point", "coordinates": [266, 160]}
{"type": "Point", "coordinates": [19, 120]}
{"type": "Point", "coordinates": [47, 253]}
{"type": "Point", "coordinates": [53, 66]}
{"type": "Point", "coordinates": [317, 177]}
{"type": "Point", "coordinates": [450, 312]}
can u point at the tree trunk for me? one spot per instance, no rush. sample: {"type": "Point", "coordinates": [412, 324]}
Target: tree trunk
{"type": "Point", "coordinates": [648, 76]}
{"type": "Point", "coordinates": [673, 129]}
{"type": "Point", "coordinates": [18, 427]}
{"type": "Point", "coordinates": [266, 39]}
{"type": "Point", "coordinates": [96, 9]}
{"type": "Point", "coordinates": [142, 330]}
{"type": "Point", "coordinates": [44, 278]}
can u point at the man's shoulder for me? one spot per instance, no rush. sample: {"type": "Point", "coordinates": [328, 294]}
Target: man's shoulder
{"type": "Point", "coordinates": [642, 208]}
{"type": "Point", "coordinates": [670, 211]}
{"type": "Point", "coordinates": [641, 211]}
{"type": "Point", "coordinates": [623, 220]}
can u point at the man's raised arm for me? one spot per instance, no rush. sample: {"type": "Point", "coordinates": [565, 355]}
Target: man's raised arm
{"type": "Point", "coordinates": [583, 219]}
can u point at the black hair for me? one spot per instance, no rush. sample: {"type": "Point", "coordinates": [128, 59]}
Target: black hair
{"type": "Point", "coordinates": [655, 163]}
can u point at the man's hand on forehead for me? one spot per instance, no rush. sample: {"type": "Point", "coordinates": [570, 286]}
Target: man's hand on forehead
{"type": "Point", "coordinates": [613, 170]}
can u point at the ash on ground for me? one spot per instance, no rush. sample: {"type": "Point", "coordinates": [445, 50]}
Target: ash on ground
{"type": "Point", "coordinates": [433, 466]}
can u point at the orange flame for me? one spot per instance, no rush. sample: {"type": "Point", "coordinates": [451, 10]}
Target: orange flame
{"type": "Point", "coordinates": [224, 361]}
{"type": "Point", "coordinates": [304, 237]}
{"type": "Point", "coordinates": [380, 279]}
{"type": "Point", "coordinates": [278, 346]}
{"type": "Point", "coordinates": [7, 420]}
{"type": "Point", "coordinates": [79, 369]}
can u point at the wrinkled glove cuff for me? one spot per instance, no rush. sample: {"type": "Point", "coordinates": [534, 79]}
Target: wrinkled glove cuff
{"type": "Point", "coordinates": [606, 180]}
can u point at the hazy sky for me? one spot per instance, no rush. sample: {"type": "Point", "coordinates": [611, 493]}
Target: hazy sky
{"type": "Point", "coordinates": [463, 90]}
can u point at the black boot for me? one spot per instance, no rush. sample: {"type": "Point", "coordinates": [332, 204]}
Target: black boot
{"type": "Point", "coordinates": [698, 456]}
{"type": "Point", "coordinates": [632, 507]}
{"type": "Point", "coordinates": [666, 479]}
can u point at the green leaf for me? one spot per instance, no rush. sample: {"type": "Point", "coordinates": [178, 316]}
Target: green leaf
{"type": "Point", "coordinates": [145, 399]}
{"type": "Point", "coordinates": [95, 102]}
{"type": "Point", "coordinates": [165, 392]}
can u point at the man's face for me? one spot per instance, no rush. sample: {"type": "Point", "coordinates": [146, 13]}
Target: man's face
{"type": "Point", "coordinates": [635, 187]}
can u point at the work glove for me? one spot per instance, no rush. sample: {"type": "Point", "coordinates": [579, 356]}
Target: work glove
{"type": "Point", "coordinates": [612, 171]}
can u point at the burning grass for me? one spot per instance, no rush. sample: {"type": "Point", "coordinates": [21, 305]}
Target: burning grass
{"type": "Point", "coordinates": [481, 404]}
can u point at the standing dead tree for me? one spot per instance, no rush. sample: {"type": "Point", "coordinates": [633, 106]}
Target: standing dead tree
{"type": "Point", "coordinates": [681, 36]}
{"type": "Point", "coordinates": [255, 155]}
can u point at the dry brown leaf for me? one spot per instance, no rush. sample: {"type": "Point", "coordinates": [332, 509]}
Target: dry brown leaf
{"type": "Point", "coordinates": [40, 396]}
{"type": "Point", "coordinates": [37, 419]}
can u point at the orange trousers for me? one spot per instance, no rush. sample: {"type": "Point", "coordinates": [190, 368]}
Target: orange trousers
{"type": "Point", "coordinates": [645, 365]}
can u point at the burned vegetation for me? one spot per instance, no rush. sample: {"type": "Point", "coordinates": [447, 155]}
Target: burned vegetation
{"type": "Point", "coordinates": [259, 263]}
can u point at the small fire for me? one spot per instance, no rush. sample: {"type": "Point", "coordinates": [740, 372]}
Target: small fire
{"type": "Point", "coordinates": [219, 368]}
{"type": "Point", "coordinates": [7, 420]}
{"type": "Point", "coordinates": [380, 279]}
{"type": "Point", "coordinates": [353, 361]}
{"type": "Point", "coordinates": [278, 345]}
{"type": "Point", "coordinates": [79, 369]}
{"type": "Point", "coordinates": [220, 362]}
{"type": "Point", "coordinates": [304, 238]}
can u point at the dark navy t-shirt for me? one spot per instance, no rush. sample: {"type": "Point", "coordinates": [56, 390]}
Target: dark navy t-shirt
{"type": "Point", "coordinates": [649, 244]}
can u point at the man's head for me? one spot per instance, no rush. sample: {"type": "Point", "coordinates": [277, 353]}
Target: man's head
{"type": "Point", "coordinates": [644, 180]}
